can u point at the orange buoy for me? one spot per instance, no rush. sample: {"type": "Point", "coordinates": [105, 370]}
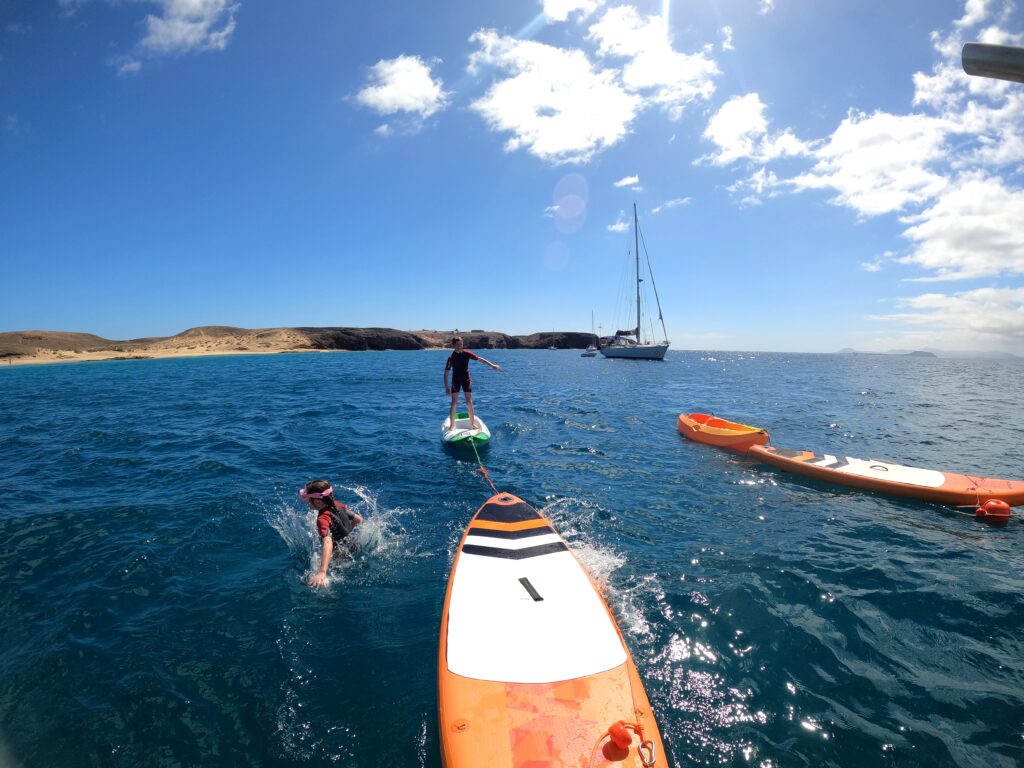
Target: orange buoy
{"type": "Point", "coordinates": [996, 510]}
{"type": "Point", "coordinates": [620, 735]}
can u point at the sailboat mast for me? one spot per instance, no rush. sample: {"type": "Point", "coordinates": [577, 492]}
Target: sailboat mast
{"type": "Point", "coordinates": [636, 251]}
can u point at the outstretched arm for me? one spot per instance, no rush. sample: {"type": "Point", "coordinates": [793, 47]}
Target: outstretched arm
{"type": "Point", "coordinates": [488, 362]}
{"type": "Point", "coordinates": [319, 578]}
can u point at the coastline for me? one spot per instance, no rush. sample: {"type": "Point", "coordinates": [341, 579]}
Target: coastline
{"type": "Point", "coordinates": [46, 347]}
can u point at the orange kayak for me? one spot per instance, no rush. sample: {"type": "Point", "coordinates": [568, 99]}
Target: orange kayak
{"type": "Point", "coordinates": [709, 429]}
{"type": "Point", "coordinates": [883, 477]}
{"type": "Point", "coordinates": [532, 668]}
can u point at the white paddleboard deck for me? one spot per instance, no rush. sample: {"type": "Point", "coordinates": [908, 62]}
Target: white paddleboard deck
{"type": "Point", "coordinates": [522, 609]}
{"type": "Point", "coordinates": [464, 430]}
{"type": "Point", "coordinates": [875, 469]}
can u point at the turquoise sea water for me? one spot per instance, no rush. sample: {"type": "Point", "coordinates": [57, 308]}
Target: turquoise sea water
{"type": "Point", "coordinates": [153, 609]}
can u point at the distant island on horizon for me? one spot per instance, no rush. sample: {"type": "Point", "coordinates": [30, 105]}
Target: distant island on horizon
{"type": "Point", "coordinates": [64, 346]}
{"type": "Point", "coordinates": [931, 352]}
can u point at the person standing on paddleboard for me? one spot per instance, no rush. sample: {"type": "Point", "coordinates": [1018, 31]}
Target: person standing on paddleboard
{"type": "Point", "coordinates": [458, 364]}
{"type": "Point", "coordinates": [334, 522]}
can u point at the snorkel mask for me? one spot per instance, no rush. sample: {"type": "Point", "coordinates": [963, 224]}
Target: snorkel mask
{"type": "Point", "coordinates": [306, 496]}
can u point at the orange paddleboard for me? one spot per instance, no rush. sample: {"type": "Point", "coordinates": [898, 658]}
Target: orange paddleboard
{"type": "Point", "coordinates": [883, 477]}
{"type": "Point", "coordinates": [532, 669]}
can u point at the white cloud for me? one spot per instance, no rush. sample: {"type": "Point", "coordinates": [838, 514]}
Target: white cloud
{"type": "Point", "coordinates": [627, 181]}
{"type": "Point", "coordinates": [975, 11]}
{"type": "Point", "coordinates": [726, 33]}
{"type": "Point", "coordinates": [554, 103]}
{"type": "Point", "coordinates": [674, 203]}
{"type": "Point", "coordinates": [622, 224]}
{"type": "Point", "coordinates": [384, 130]}
{"type": "Point", "coordinates": [878, 263]}
{"type": "Point", "coordinates": [974, 230]}
{"type": "Point", "coordinates": [560, 10]}
{"type": "Point", "coordinates": [189, 25]}
{"type": "Point", "coordinates": [759, 184]}
{"type": "Point", "coordinates": [550, 211]}
{"type": "Point", "coordinates": [765, 7]}
{"type": "Point", "coordinates": [68, 8]}
{"type": "Point", "coordinates": [740, 130]}
{"type": "Point", "coordinates": [880, 163]}
{"type": "Point", "coordinates": [129, 67]}
{"type": "Point", "coordinates": [403, 84]}
{"type": "Point", "coordinates": [667, 77]}
{"type": "Point", "coordinates": [986, 315]}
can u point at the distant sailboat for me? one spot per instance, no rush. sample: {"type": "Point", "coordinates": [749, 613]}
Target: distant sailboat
{"type": "Point", "coordinates": [629, 344]}
{"type": "Point", "coordinates": [591, 350]}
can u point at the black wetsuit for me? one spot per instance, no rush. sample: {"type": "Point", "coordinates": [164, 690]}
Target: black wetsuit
{"type": "Point", "coordinates": [458, 364]}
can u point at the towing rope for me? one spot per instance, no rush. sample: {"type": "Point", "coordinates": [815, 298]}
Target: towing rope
{"type": "Point", "coordinates": [481, 468]}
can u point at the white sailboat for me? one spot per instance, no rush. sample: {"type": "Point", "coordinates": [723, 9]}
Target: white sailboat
{"type": "Point", "coordinates": [630, 344]}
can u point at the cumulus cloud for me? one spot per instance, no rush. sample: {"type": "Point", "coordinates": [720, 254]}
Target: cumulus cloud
{"type": "Point", "coordinates": [881, 163]}
{"type": "Point", "coordinates": [765, 7]}
{"type": "Point", "coordinates": [740, 130]}
{"type": "Point", "coordinates": [975, 229]}
{"type": "Point", "coordinates": [667, 77]}
{"type": "Point", "coordinates": [622, 223]}
{"type": "Point", "coordinates": [983, 315]}
{"type": "Point", "coordinates": [189, 25]}
{"type": "Point", "coordinates": [403, 85]}
{"type": "Point", "coordinates": [553, 102]}
{"type": "Point", "coordinates": [626, 181]}
{"type": "Point", "coordinates": [560, 10]}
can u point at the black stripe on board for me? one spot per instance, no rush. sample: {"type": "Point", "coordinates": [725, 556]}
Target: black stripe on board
{"type": "Point", "coordinates": [515, 554]}
{"type": "Point", "coordinates": [525, 533]}
{"type": "Point", "coordinates": [788, 453]}
{"type": "Point", "coordinates": [505, 513]}
{"type": "Point", "coordinates": [840, 462]}
{"type": "Point", "coordinates": [531, 590]}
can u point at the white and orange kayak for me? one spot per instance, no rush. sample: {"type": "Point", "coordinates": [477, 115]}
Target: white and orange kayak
{"type": "Point", "coordinates": [721, 433]}
{"type": "Point", "coordinates": [883, 477]}
{"type": "Point", "coordinates": [532, 668]}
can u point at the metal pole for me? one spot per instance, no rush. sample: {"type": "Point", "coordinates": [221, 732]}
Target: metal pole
{"type": "Point", "coordinates": [1004, 62]}
{"type": "Point", "coordinates": [636, 250]}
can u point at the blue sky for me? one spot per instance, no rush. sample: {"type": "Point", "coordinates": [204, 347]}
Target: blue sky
{"type": "Point", "coordinates": [809, 175]}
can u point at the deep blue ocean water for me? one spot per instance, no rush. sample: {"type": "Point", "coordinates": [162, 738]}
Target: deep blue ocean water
{"type": "Point", "coordinates": [153, 609]}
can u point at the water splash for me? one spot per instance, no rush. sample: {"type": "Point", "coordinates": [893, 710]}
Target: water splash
{"type": "Point", "coordinates": [380, 538]}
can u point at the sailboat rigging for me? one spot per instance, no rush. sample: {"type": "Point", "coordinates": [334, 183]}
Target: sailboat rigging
{"type": "Point", "coordinates": [629, 343]}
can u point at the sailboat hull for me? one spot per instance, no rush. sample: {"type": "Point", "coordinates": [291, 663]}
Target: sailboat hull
{"type": "Point", "coordinates": [638, 352]}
